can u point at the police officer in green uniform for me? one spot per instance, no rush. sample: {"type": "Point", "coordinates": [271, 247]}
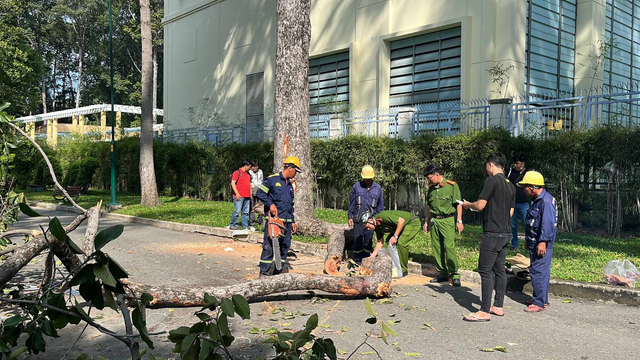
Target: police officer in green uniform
{"type": "Point", "coordinates": [443, 218]}
{"type": "Point", "coordinates": [401, 226]}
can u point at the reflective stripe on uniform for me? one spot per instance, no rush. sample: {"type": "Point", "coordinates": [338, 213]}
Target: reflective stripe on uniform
{"type": "Point", "coordinates": [266, 261]}
{"type": "Point", "coordinates": [264, 188]}
{"type": "Point", "coordinates": [286, 220]}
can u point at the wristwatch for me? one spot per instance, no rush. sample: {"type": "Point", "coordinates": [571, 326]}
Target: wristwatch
{"type": "Point", "coordinates": [459, 221]}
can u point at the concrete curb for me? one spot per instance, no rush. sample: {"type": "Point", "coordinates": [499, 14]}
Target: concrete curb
{"type": "Point", "coordinates": [562, 288]}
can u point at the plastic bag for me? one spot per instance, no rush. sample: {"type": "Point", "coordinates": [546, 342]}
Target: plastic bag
{"type": "Point", "coordinates": [621, 273]}
{"type": "Point", "coordinates": [392, 251]}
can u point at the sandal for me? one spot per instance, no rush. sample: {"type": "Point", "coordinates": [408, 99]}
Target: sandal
{"type": "Point", "coordinates": [530, 302]}
{"type": "Point", "coordinates": [474, 318]}
{"type": "Point", "coordinates": [534, 308]}
{"type": "Point", "coordinates": [495, 313]}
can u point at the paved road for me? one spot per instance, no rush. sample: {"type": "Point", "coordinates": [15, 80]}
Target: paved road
{"type": "Point", "coordinates": [576, 330]}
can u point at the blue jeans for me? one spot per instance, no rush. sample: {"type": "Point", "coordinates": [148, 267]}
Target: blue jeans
{"type": "Point", "coordinates": [519, 212]}
{"type": "Point", "coordinates": [240, 205]}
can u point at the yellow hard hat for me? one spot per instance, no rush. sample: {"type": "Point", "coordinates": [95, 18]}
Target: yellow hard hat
{"type": "Point", "coordinates": [292, 160]}
{"type": "Point", "coordinates": [532, 178]}
{"type": "Point", "coordinates": [367, 172]}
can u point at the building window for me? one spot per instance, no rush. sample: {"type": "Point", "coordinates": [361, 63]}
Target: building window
{"type": "Point", "coordinates": [550, 48]}
{"type": "Point", "coordinates": [622, 63]}
{"type": "Point", "coordinates": [254, 131]}
{"type": "Point", "coordinates": [328, 85]}
{"type": "Point", "coordinates": [425, 68]}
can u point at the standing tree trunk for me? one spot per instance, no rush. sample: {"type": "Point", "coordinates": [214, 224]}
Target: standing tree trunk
{"type": "Point", "coordinates": [53, 91]}
{"type": "Point", "coordinates": [292, 96]}
{"type": "Point", "coordinates": [80, 66]}
{"type": "Point", "coordinates": [291, 117]}
{"type": "Point", "coordinates": [291, 120]}
{"type": "Point", "coordinates": [155, 84]}
{"type": "Point", "coordinates": [147, 173]}
{"type": "Point", "coordinates": [43, 93]}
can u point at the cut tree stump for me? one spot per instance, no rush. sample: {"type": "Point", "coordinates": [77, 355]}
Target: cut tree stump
{"type": "Point", "coordinates": [376, 281]}
{"type": "Point", "coordinates": [336, 250]}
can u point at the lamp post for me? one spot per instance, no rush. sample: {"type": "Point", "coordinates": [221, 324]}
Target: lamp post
{"type": "Point", "coordinates": [114, 201]}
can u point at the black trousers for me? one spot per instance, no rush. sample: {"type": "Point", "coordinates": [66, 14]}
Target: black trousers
{"type": "Point", "coordinates": [493, 252]}
{"type": "Point", "coordinates": [252, 214]}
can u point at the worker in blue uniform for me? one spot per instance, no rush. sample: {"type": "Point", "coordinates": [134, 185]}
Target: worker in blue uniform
{"type": "Point", "coordinates": [277, 195]}
{"type": "Point", "coordinates": [540, 234]}
{"type": "Point", "coordinates": [366, 195]}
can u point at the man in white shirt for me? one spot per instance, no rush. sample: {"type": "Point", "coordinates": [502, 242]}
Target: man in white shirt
{"type": "Point", "coordinates": [256, 180]}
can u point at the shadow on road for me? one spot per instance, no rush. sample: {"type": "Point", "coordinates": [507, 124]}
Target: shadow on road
{"type": "Point", "coordinates": [461, 295]}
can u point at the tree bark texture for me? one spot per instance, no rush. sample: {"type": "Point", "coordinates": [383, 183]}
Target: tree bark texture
{"type": "Point", "coordinates": [93, 221]}
{"type": "Point", "coordinates": [24, 254]}
{"type": "Point", "coordinates": [155, 84]}
{"type": "Point", "coordinates": [292, 97]}
{"type": "Point", "coordinates": [376, 281]}
{"type": "Point", "coordinates": [148, 185]}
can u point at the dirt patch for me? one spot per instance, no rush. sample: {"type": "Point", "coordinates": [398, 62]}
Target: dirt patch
{"type": "Point", "coordinates": [412, 279]}
{"type": "Point", "coordinates": [239, 249]}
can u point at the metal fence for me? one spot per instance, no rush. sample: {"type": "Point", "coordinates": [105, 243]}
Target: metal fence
{"type": "Point", "coordinates": [451, 117]}
{"type": "Point", "coordinates": [541, 114]}
{"type": "Point", "coordinates": [443, 118]}
{"type": "Point", "coordinates": [531, 115]}
{"type": "Point", "coordinates": [372, 122]}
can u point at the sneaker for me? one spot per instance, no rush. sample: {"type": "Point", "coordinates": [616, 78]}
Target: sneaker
{"type": "Point", "coordinates": [232, 227]}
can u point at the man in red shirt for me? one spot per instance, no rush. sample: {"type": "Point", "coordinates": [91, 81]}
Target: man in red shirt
{"type": "Point", "coordinates": [241, 186]}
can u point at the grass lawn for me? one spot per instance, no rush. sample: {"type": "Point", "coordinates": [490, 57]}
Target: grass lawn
{"type": "Point", "coordinates": [575, 256]}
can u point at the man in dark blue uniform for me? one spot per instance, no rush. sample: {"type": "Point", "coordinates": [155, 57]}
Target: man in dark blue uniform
{"type": "Point", "coordinates": [366, 195]}
{"type": "Point", "coordinates": [540, 233]}
{"type": "Point", "coordinates": [276, 193]}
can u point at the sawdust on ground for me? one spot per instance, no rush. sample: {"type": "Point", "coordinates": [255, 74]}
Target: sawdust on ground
{"type": "Point", "coordinates": [239, 249]}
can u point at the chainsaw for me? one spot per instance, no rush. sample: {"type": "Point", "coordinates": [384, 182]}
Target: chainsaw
{"type": "Point", "coordinates": [276, 230]}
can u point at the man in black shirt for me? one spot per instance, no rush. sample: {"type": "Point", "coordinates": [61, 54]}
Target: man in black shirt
{"type": "Point", "coordinates": [496, 200]}
{"type": "Point", "coordinates": [515, 175]}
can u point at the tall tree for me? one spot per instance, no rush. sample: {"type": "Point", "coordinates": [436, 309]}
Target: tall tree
{"type": "Point", "coordinates": [20, 66]}
{"type": "Point", "coordinates": [148, 185]}
{"type": "Point", "coordinates": [291, 120]}
{"type": "Point", "coordinates": [82, 17]}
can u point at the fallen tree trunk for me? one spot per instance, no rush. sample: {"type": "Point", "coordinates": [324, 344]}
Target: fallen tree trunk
{"type": "Point", "coordinates": [23, 255]}
{"type": "Point", "coordinates": [375, 282]}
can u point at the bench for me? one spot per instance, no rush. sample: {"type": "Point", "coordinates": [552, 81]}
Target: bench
{"type": "Point", "coordinates": [35, 188]}
{"type": "Point", "coordinates": [73, 191]}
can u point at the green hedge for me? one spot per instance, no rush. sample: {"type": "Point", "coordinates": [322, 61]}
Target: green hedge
{"type": "Point", "coordinates": [573, 163]}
